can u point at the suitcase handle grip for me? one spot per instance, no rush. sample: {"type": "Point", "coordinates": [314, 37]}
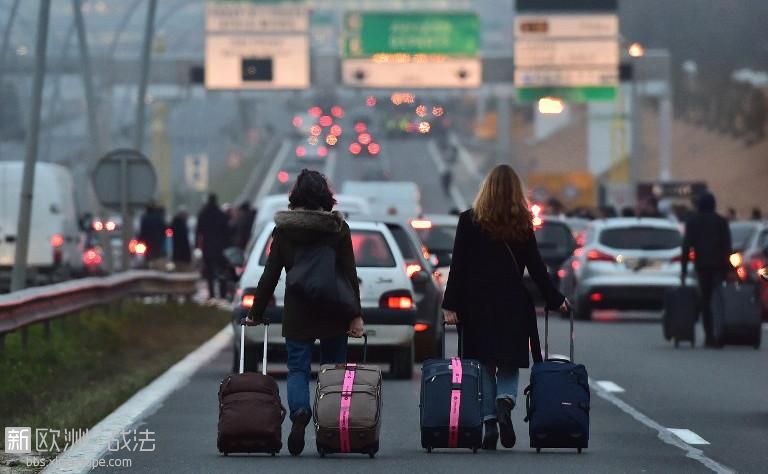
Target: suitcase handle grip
{"type": "Point", "coordinates": [546, 332]}
{"type": "Point", "coordinates": [243, 325]}
{"type": "Point", "coordinates": [460, 331]}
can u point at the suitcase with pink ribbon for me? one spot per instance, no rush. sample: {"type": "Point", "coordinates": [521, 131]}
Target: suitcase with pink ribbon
{"type": "Point", "coordinates": [451, 402]}
{"type": "Point", "coordinates": [347, 411]}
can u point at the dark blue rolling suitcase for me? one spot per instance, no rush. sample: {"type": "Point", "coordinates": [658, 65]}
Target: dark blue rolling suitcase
{"type": "Point", "coordinates": [557, 401]}
{"type": "Point", "coordinates": [451, 402]}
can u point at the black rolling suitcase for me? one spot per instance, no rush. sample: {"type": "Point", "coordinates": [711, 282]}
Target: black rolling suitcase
{"type": "Point", "coordinates": [250, 412]}
{"type": "Point", "coordinates": [681, 310]}
{"type": "Point", "coordinates": [736, 315]}
{"type": "Point", "coordinates": [451, 408]}
{"type": "Point", "coordinates": [558, 401]}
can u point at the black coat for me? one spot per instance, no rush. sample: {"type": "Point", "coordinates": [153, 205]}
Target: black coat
{"type": "Point", "coordinates": [213, 232]}
{"type": "Point", "coordinates": [495, 310]}
{"type": "Point", "coordinates": [302, 320]}
{"type": "Point", "coordinates": [181, 248]}
{"type": "Point", "coordinates": [709, 235]}
{"type": "Point", "coordinates": [152, 233]}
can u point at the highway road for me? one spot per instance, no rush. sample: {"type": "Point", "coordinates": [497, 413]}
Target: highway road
{"type": "Point", "coordinates": [642, 388]}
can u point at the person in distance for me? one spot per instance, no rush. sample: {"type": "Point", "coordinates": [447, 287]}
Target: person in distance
{"type": "Point", "coordinates": [310, 221]}
{"type": "Point", "coordinates": [494, 242]}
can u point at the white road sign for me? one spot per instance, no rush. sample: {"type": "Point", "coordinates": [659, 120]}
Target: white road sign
{"type": "Point", "coordinates": [449, 73]}
{"type": "Point", "coordinates": [570, 53]}
{"type": "Point", "coordinates": [196, 172]}
{"type": "Point", "coordinates": [566, 26]}
{"type": "Point", "coordinates": [570, 77]}
{"type": "Point", "coordinates": [255, 18]}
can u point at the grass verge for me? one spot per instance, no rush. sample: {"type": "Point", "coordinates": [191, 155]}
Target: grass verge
{"type": "Point", "coordinates": [94, 361]}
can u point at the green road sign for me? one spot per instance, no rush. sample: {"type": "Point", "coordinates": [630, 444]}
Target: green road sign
{"type": "Point", "coordinates": [447, 34]}
{"type": "Point", "coordinates": [567, 94]}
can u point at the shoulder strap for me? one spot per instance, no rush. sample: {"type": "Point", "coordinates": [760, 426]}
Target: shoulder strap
{"type": "Point", "coordinates": [534, 325]}
{"type": "Point", "coordinates": [514, 260]}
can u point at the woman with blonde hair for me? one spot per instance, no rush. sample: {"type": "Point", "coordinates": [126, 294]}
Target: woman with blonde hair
{"type": "Point", "coordinates": [495, 242]}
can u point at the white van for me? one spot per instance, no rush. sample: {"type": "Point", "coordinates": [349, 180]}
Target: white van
{"type": "Point", "coordinates": [400, 198]}
{"type": "Point", "coordinates": [54, 237]}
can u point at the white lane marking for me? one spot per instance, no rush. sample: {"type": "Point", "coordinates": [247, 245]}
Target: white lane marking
{"type": "Point", "coordinates": [91, 447]}
{"type": "Point", "coordinates": [609, 386]}
{"type": "Point", "coordinates": [664, 434]}
{"type": "Point", "coordinates": [330, 166]}
{"type": "Point", "coordinates": [458, 199]}
{"type": "Point", "coordinates": [269, 180]}
{"type": "Point", "coordinates": [688, 436]}
{"type": "Point", "coordinates": [466, 159]}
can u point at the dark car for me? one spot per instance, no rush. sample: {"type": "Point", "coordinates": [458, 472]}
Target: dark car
{"type": "Point", "coordinates": [556, 245]}
{"type": "Point", "coordinates": [749, 240]}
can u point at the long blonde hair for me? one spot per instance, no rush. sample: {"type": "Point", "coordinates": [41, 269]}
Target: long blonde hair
{"type": "Point", "coordinates": [501, 208]}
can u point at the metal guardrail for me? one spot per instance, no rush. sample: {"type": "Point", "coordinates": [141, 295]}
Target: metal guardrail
{"type": "Point", "coordinates": [44, 303]}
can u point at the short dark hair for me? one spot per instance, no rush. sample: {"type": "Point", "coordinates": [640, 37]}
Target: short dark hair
{"type": "Point", "coordinates": [311, 191]}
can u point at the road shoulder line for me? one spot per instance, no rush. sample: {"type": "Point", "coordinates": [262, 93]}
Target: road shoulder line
{"type": "Point", "coordinates": [664, 434]}
{"type": "Point", "coordinates": [90, 448]}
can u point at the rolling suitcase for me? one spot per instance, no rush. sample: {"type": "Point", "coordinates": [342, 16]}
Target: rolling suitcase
{"type": "Point", "coordinates": [347, 410]}
{"type": "Point", "coordinates": [557, 400]}
{"type": "Point", "coordinates": [451, 408]}
{"type": "Point", "coordinates": [250, 413]}
{"type": "Point", "coordinates": [736, 315]}
{"type": "Point", "coordinates": [681, 310]}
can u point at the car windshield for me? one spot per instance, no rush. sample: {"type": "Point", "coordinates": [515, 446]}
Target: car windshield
{"type": "Point", "coordinates": [641, 238]}
{"type": "Point", "coordinates": [741, 235]}
{"type": "Point", "coordinates": [554, 235]}
{"type": "Point", "coordinates": [439, 238]}
{"type": "Point", "coordinates": [370, 248]}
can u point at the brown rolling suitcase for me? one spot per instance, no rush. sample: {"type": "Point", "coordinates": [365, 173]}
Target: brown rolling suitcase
{"type": "Point", "coordinates": [250, 413]}
{"type": "Point", "coordinates": [347, 410]}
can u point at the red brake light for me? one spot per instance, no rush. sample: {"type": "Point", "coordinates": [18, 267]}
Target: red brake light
{"type": "Point", "coordinates": [742, 273]}
{"type": "Point", "coordinates": [595, 255]}
{"type": "Point", "coordinates": [315, 130]}
{"type": "Point", "coordinates": [421, 224]}
{"type": "Point", "coordinates": [420, 327]}
{"type": "Point", "coordinates": [691, 257]}
{"type": "Point", "coordinates": [756, 263]}
{"type": "Point", "coordinates": [360, 127]}
{"type": "Point", "coordinates": [247, 301]}
{"type": "Point", "coordinates": [355, 148]}
{"type": "Point", "coordinates": [132, 245]}
{"type": "Point", "coordinates": [283, 177]}
{"type": "Point", "coordinates": [399, 302]}
{"type": "Point", "coordinates": [561, 273]}
{"type": "Point", "coordinates": [336, 130]}
{"type": "Point", "coordinates": [301, 151]}
{"type": "Point", "coordinates": [98, 226]}
{"type": "Point", "coordinates": [315, 111]}
{"type": "Point", "coordinates": [337, 111]}
{"type": "Point", "coordinates": [326, 121]}
{"type": "Point", "coordinates": [140, 248]}
{"type": "Point", "coordinates": [596, 297]}
{"type": "Point", "coordinates": [322, 151]}
{"type": "Point", "coordinates": [91, 257]}
{"type": "Point", "coordinates": [364, 138]}
{"type": "Point", "coordinates": [374, 148]}
{"type": "Point", "coordinates": [297, 121]}
{"type": "Point", "coordinates": [110, 226]}
{"type": "Point", "coordinates": [57, 240]}
{"type": "Point", "coordinates": [412, 268]}
{"type": "Point", "coordinates": [169, 232]}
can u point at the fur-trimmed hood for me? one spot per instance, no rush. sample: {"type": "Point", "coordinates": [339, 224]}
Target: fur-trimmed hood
{"type": "Point", "coordinates": [305, 225]}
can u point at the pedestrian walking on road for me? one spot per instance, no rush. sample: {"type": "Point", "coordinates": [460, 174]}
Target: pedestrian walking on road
{"type": "Point", "coordinates": [182, 252]}
{"type": "Point", "coordinates": [152, 232]}
{"type": "Point", "coordinates": [309, 222]}
{"type": "Point", "coordinates": [212, 237]}
{"type": "Point", "coordinates": [708, 235]}
{"type": "Point", "coordinates": [485, 295]}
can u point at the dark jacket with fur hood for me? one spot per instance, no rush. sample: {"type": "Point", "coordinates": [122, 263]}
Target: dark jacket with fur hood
{"type": "Point", "coordinates": [294, 229]}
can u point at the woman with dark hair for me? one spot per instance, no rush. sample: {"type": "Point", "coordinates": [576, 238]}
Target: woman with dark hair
{"type": "Point", "coordinates": [494, 243]}
{"type": "Point", "coordinates": [309, 222]}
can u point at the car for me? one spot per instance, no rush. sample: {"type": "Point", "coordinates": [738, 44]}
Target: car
{"type": "Point", "coordinates": [437, 233]}
{"type": "Point", "coordinates": [386, 296]}
{"type": "Point", "coordinates": [749, 240]}
{"type": "Point", "coordinates": [310, 152]}
{"type": "Point", "coordinates": [401, 198]}
{"type": "Point", "coordinates": [348, 205]}
{"type": "Point", "coordinates": [556, 244]}
{"type": "Point", "coordinates": [625, 263]}
{"type": "Point", "coordinates": [427, 287]}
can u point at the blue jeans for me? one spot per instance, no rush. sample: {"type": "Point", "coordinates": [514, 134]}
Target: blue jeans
{"type": "Point", "coordinates": [333, 350]}
{"type": "Point", "coordinates": [497, 384]}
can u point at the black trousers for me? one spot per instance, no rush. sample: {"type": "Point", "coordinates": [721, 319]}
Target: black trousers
{"type": "Point", "coordinates": [213, 271]}
{"type": "Point", "coordinates": [708, 280]}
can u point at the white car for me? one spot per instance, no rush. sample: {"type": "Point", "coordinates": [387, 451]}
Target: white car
{"type": "Point", "coordinates": [387, 198]}
{"type": "Point", "coordinates": [625, 263]}
{"type": "Point", "coordinates": [386, 296]}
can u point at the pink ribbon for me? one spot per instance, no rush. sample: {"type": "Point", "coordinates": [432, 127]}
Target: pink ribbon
{"type": "Point", "coordinates": [346, 402]}
{"type": "Point", "coordinates": [453, 426]}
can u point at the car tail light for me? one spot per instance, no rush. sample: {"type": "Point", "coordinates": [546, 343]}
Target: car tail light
{"type": "Point", "coordinates": [420, 327]}
{"type": "Point", "coordinates": [741, 272]}
{"type": "Point", "coordinates": [400, 299]}
{"type": "Point", "coordinates": [337, 111]}
{"type": "Point", "coordinates": [364, 138]}
{"type": "Point", "coordinates": [355, 148]}
{"type": "Point", "coordinates": [561, 273]}
{"type": "Point", "coordinates": [169, 232]}
{"type": "Point", "coordinates": [91, 258]}
{"type": "Point", "coordinates": [322, 151]}
{"type": "Point", "coordinates": [691, 257]}
{"type": "Point", "coordinates": [98, 226]}
{"type": "Point", "coordinates": [326, 121]}
{"type": "Point", "coordinates": [140, 248]}
{"type": "Point", "coordinates": [595, 255]}
{"type": "Point", "coordinates": [336, 130]}
{"type": "Point", "coordinates": [57, 240]}
{"type": "Point", "coordinates": [756, 263]}
{"type": "Point", "coordinates": [374, 148]}
{"type": "Point", "coordinates": [412, 268]}
{"type": "Point", "coordinates": [421, 224]}
{"type": "Point", "coordinates": [736, 259]}
{"type": "Point", "coordinates": [360, 127]}
{"type": "Point", "coordinates": [575, 264]}
{"type": "Point", "coordinates": [132, 246]}
{"type": "Point", "coordinates": [301, 151]}
{"type": "Point", "coordinates": [297, 121]}
{"type": "Point", "coordinates": [315, 111]}
{"type": "Point", "coordinates": [578, 252]}
{"type": "Point", "coordinates": [247, 301]}
{"type": "Point", "coordinates": [596, 297]}
{"type": "Point", "coordinates": [110, 226]}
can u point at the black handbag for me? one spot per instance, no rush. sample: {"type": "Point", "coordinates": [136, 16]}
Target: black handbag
{"type": "Point", "coordinates": [315, 279]}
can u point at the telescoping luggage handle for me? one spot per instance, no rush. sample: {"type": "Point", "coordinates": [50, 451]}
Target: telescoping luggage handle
{"type": "Point", "coordinates": [460, 331]}
{"type": "Point", "coordinates": [243, 324]}
{"type": "Point", "coordinates": [350, 370]}
{"type": "Point", "coordinates": [546, 332]}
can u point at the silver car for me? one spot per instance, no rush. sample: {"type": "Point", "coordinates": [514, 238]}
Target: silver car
{"type": "Point", "coordinates": [625, 263]}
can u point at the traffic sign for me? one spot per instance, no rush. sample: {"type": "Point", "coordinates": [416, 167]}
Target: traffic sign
{"type": "Point", "coordinates": [196, 172]}
{"type": "Point", "coordinates": [413, 50]}
{"type": "Point", "coordinates": [124, 167]}
{"type": "Point", "coordinates": [256, 46]}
